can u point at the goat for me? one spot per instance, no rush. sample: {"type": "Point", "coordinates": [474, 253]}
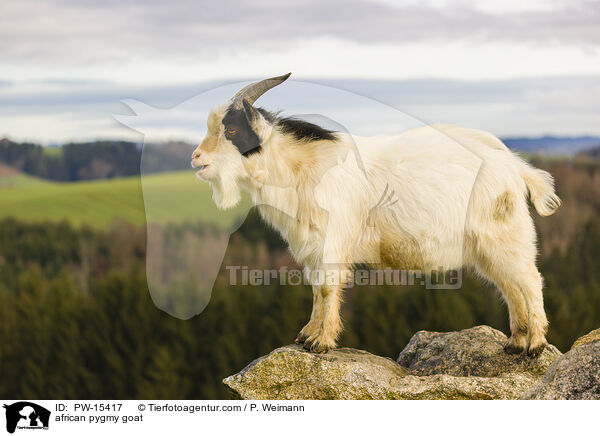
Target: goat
{"type": "Point", "coordinates": [463, 202]}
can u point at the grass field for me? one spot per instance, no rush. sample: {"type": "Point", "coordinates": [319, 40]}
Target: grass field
{"type": "Point", "coordinates": [169, 197]}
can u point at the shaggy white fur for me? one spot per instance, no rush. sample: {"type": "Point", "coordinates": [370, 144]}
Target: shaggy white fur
{"type": "Point", "coordinates": [434, 197]}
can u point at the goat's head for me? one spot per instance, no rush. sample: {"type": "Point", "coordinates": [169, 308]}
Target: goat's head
{"type": "Point", "coordinates": [236, 130]}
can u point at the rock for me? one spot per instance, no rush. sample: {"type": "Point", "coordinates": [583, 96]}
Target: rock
{"type": "Point", "coordinates": [447, 387]}
{"type": "Point", "coordinates": [291, 372]}
{"type": "Point", "coordinates": [592, 336]}
{"type": "Point", "coordinates": [573, 376]}
{"type": "Point", "coordinates": [470, 364]}
{"type": "Point", "coordinates": [477, 351]}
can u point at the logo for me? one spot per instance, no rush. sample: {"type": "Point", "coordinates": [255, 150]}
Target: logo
{"type": "Point", "coordinates": [26, 415]}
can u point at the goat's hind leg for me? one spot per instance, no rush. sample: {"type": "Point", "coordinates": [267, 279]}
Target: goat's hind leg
{"type": "Point", "coordinates": [531, 285]}
{"type": "Point", "coordinates": [515, 301]}
{"type": "Point", "coordinates": [522, 289]}
{"type": "Point", "coordinates": [517, 310]}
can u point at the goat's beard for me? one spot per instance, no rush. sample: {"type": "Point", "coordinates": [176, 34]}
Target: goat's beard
{"type": "Point", "coordinates": [226, 192]}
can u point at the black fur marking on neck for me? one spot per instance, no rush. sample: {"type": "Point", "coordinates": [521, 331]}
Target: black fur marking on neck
{"type": "Point", "coordinates": [305, 131]}
{"type": "Point", "coordinates": [245, 139]}
{"type": "Point", "coordinates": [248, 142]}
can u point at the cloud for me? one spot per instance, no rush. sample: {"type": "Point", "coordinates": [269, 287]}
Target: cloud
{"type": "Point", "coordinates": [72, 32]}
{"type": "Point", "coordinates": [79, 111]}
{"type": "Point", "coordinates": [65, 64]}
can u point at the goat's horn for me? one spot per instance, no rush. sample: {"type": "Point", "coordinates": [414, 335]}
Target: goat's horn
{"type": "Point", "coordinates": [252, 92]}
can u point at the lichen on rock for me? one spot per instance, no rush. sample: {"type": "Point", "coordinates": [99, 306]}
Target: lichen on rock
{"type": "Point", "coordinates": [291, 372]}
{"type": "Point", "coordinates": [469, 364]}
{"type": "Point", "coordinates": [477, 351]}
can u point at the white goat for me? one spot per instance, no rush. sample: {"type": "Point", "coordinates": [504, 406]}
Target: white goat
{"type": "Point", "coordinates": [462, 201]}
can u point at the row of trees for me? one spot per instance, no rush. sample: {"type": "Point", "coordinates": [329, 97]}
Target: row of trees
{"type": "Point", "coordinates": [95, 160]}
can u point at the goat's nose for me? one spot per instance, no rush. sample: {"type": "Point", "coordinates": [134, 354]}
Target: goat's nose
{"type": "Point", "coordinates": [195, 155]}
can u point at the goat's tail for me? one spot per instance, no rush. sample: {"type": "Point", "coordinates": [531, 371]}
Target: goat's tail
{"type": "Point", "coordinates": [541, 189]}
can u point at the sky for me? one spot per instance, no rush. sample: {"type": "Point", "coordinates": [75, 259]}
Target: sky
{"type": "Point", "coordinates": [516, 68]}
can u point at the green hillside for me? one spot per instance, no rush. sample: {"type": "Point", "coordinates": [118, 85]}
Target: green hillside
{"type": "Point", "coordinates": [170, 197]}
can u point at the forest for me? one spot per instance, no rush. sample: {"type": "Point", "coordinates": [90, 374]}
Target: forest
{"type": "Point", "coordinates": [77, 320]}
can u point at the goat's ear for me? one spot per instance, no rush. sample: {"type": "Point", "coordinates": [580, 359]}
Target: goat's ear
{"type": "Point", "coordinates": [250, 111]}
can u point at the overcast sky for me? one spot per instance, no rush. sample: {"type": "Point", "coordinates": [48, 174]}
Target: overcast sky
{"type": "Point", "coordinates": [513, 67]}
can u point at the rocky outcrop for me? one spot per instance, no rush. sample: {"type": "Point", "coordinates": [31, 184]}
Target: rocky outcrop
{"type": "Point", "coordinates": [291, 372]}
{"type": "Point", "coordinates": [477, 351]}
{"type": "Point", "coordinates": [573, 376]}
{"type": "Point", "coordinates": [469, 364]}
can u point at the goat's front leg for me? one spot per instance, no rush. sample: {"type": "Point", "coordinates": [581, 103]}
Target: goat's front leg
{"type": "Point", "coordinates": [316, 317]}
{"type": "Point", "coordinates": [324, 338]}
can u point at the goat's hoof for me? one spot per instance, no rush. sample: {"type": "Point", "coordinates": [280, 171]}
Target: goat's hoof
{"type": "Point", "coordinates": [301, 338]}
{"type": "Point", "coordinates": [535, 351]}
{"type": "Point", "coordinates": [516, 344]}
{"type": "Point", "coordinates": [510, 348]}
{"type": "Point", "coordinates": [313, 345]}
{"type": "Point", "coordinates": [319, 348]}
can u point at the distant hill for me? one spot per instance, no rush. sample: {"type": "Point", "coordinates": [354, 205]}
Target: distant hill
{"type": "Point", "coordinates": [170, 198]}
{"type": "Point", "coordinates": [554, 145]}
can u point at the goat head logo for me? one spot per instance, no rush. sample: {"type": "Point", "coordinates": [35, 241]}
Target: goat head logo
{"type": "Point", "coordinates": [27, 415]}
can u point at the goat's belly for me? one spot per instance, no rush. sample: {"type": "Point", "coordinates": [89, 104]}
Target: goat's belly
{"type": "Point", "coordinates": [403, 254]}
{"type": "Point", "coordinates": [407, 253]}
